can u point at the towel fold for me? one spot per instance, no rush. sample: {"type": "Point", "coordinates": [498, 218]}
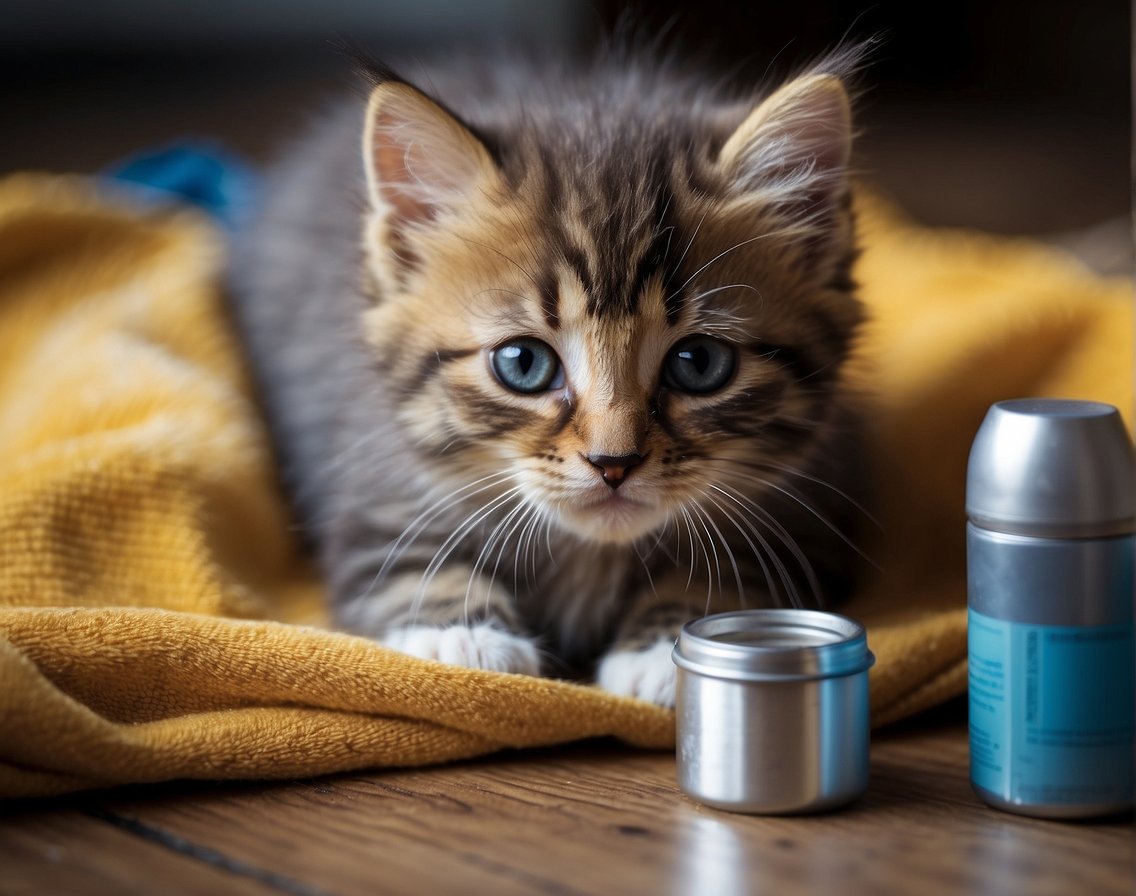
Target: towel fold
{"type": "Point", "coordinates": [157, 622]}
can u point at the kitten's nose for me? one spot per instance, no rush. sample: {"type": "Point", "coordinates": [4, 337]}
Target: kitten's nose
{"type": "Point", "coordinates": [614, 468]}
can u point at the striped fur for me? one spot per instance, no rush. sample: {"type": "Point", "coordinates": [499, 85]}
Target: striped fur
{"type": "Point", "coordinates": [611, 212]}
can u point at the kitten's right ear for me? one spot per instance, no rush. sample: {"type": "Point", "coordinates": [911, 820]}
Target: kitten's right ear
{"type": "Point", "coordinates": [793, 149]}
{"type": "Point", "coordinates": [421, 164]}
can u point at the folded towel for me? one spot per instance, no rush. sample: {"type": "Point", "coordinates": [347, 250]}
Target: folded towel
{"type": "Point", "coordinates": [156, 621]}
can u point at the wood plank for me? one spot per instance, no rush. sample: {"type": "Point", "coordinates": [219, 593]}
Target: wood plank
{"type": "Point", "coordinates": [601, 819]}
{"type": "Point", "coordinates": [590, 819]}
{"type": "Point", "coordinates": [71, 852]}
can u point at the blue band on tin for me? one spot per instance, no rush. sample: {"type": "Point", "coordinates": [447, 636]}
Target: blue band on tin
{"type": "Point", "coordinates": [1052, 711]}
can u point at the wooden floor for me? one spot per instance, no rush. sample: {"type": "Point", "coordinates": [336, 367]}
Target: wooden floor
{"type": "Point", "coordinates": [586, 819]}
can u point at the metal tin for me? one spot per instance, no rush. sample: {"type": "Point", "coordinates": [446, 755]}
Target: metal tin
{"type": "Point", "coordinates": [772, 710]}
{"type": "Point", "coordinates": [1050, 559]}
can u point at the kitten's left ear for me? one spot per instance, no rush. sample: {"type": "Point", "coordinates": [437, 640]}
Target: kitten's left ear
{"type": "Point", "coordinates": [421, 163]}
{"type": "Point", "coordinates": [794, 148]}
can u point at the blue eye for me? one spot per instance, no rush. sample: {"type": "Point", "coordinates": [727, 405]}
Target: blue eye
{"type": "Point", "coordinates": [526, 365]}
{"type": "Point", "coordinates": [699, 365]}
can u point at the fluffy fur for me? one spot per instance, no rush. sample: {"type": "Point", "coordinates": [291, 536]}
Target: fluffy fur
{"type": "Point", "coordinates": [633, 225]}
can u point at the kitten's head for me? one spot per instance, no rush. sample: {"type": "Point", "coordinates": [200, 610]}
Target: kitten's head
{"type": "Point", "coordinates": [625, 308]}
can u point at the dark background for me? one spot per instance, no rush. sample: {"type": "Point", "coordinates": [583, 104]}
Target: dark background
{"type": "Point", "coordinates": [1008, 116]}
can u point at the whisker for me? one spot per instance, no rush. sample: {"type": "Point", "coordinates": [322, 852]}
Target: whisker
{"type": "Point", "coordinates": [645, 565]}
{"type": "Point", "coordinates": [760, 515]}
{"type": "Point", "coordinates": [505, 257]}
{"type": "Point", "coordinates": [720, 255]}
{"type": "Point", "coordinates": [699, 516]}
{"type": "Point", "coordinates": [495, 536]}
{"type": "Point", "coordinates": [690, 536]}
{"type": "Point", "coordinates": [816, 480]}
{"type": "Point", "coordinates": [497, 289]}
{"type": "Point", "coordinates": [725, 546]}
{"type": "Point", "coordinates": [419, 524]}
{"type": "Point", "coordinates": [447, 548]}
{"type": "Point", "coordinates": [788, 492]}
{"type": "Point", "coordinates": [689, 243]}
{"type": "Point", "coordinates": [758, 554]}
{"type": "Point", "coordinates": [518, 523]}
{"type": "Point", "coordinates": [548, 541]}
{"type": "Point", "coordinates": [336, 462]}
{"type": "Point", "coordinates": [659, 541]}
{"type": "Point", "coordinates": [717, 289]}
{"type": "Point", "coordinates": [521, 552]}
{"type": "Point", "coordinates": [531, 546]}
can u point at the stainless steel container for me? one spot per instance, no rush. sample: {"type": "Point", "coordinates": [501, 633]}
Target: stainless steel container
{"type": "Point", "coordinates": [1051, 496]}
{"type": "Point", "coordinates": [772, 710]}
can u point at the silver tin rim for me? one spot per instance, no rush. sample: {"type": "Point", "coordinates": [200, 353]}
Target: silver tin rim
{"type": "Point", "coordinates": [773, 645]}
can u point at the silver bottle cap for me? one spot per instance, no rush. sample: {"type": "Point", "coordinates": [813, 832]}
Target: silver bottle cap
{"type": "Point", "coordinates": [1052, 467]}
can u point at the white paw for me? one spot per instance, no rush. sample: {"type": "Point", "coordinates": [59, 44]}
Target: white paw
{"type": "Point", "coordinates": [476, 647]}
{"type": "Point", "coordinates": [648, 674]}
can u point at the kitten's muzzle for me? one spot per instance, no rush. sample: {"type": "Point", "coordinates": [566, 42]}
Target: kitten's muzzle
{"type": "Point", "coordinates": [615, 467]}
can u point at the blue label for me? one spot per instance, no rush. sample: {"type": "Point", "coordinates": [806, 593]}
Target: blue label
{"type": "Point", "coordinates": [1051, 711]}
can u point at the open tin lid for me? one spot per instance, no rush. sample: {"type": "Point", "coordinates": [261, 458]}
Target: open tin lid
{"type": "Point", "coordinates": [773, 645]}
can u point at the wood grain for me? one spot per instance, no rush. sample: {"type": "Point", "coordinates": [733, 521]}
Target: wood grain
{"type": "Point", "coordinates": [591, 819]}
{"type": "Point", "coordinates": [64, 852]}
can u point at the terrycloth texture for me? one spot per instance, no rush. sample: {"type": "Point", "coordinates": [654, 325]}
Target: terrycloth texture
{"type": "Point", "coordinates": [155, 622]}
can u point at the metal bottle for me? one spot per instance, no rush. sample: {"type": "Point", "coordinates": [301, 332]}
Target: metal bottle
{"type": "Point", "coordinates": [1051, 501]}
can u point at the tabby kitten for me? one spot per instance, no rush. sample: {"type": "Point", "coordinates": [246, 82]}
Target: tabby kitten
{"type": "Point", "coordinates": [553, 358]}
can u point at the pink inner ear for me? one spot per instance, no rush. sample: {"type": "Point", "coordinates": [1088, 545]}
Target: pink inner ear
{"type": "Point", "coordinates": [814, 144]}
{"type": "Point", "coordinates": [795, 146]}
{"type": "Point", "coordinates": [395, 178]}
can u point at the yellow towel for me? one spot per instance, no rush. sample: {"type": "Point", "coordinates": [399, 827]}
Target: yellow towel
{"type": "Point", "coordinates": [155, 622]}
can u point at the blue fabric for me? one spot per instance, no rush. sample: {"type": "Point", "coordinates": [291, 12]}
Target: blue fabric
{"type": "Point", "coordinates": [199, 172]}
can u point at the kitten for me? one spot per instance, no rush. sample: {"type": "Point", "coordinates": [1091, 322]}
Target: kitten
{"type": "Point", "coordinates": [553, 357]}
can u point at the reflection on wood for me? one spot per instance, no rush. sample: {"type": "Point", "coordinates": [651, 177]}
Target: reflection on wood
{"type": "Point", "coordinates": [590, 819]}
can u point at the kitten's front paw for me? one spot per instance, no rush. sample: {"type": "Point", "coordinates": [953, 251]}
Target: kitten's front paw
{"type": "Point", "coordinates": [476, 647]}
{"type": "Point", "coordinates": [648, 674]}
